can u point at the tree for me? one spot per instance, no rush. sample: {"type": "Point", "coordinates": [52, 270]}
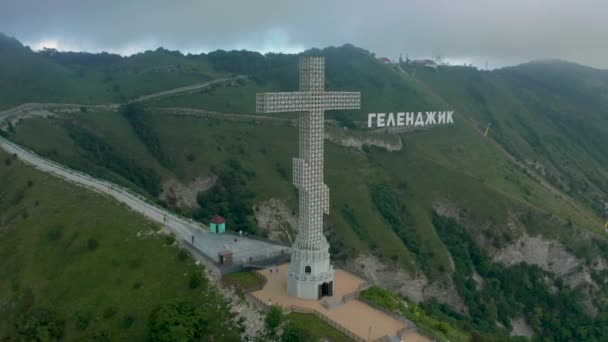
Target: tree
{"type": "Point", "coordinates": [178, 322]}
{"type": "Point", "coordinates": [40, 324]}
{"type": "Point", "coordinates": [293, 333]}
{"type": "Point", "coordinates": [274, 317]}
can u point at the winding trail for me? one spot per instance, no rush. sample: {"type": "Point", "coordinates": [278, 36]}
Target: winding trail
{"type": "Point", "coordinates": [16, 112]}
{"type": "Point", "coordinates": [196, 235]}
{"type": "Point", "coordinates": [13, 113]}
{"type": "Point", "coordinates": [185, 89]}
{"type": "Point", "coordinates": [244, 250]}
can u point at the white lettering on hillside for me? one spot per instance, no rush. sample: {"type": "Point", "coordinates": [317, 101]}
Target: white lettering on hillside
{"type": "Point", "coordinates": [441, 118]}
{"type": "Point", "coordinates": [409, 119]}
{"type": "Point", "coordinates": [419, 120]}
{"type": "Point", "coordinates": [400, 117]}
{"type": "Point", "coordinates": [381, 119]}
{"type": "Point", "coordinates": [391, 120]}
{"type": "Point", "coordinates": [404, 119]}
{"type": "Point", "coordinates": [430, 118]}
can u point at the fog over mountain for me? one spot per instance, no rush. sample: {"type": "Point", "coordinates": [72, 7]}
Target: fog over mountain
{"type": "Point", "coordinates": [473, 31]}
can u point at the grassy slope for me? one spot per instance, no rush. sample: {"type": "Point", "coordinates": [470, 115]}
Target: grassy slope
{"type": "Point", "coordinates": [451, 162]}
{"type": "Point", "coordinates": [540, 112]}
{"type": "Point", "coordinates": [226, 99]}
{"type": "Point", "coordinates": [50, 139]}
{"type": "Point", "coordinates": [315, 329]}
{"type": "Point", "coordinates": [31, 77]}
{"type": "Point", "coordinates": [27, 77]}
{"type": "Point", "coordinates": [454, 163]}
{"type": "Point", "coordinates": [435, 165]}
{"type": "Point", "coordinates": [347, 69]}
{"type": "Point", "coordinates": [260, 148]}
{"type": "Point", "coordinates": [45, 231]}
{"type": "Point", "coordinates": [428, 325]}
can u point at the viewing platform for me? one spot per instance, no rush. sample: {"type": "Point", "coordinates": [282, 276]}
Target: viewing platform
{"type": "Point", "coordinates": [343, 310]}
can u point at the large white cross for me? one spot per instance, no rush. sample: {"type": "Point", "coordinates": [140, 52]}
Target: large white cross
{"type": "Point", "coordinates": [310, 247]}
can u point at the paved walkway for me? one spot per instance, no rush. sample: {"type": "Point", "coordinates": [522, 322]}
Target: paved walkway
{"type": "Point", "coordinates": [209, 244]}
{"type": "Point", "coordinates": [243, 248]}
{"type": "Point", "coordinates": [355, 316]}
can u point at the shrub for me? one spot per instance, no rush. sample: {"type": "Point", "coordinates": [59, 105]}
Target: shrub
{"type": "Point", "coordinates": [190, 157]}
{"type": "Point", "coordinates": [178, 322]}
{"type": "Point", "coordinates": [82, 320]}
{"type": "Point", "coordinates": [135, 263]}
{"type": "Point", "coordinates": [40, 324]}
{"type": "Point", "coordinates": [110, 312]}
{"type": "Point", "coordinates": [182, 255]}
{"type": "Point", "coordinates": [293, 333]}
{"type": "Point", "coordinates": [169, 239]}
{"type": "Point", "coordinates": [281, 170]}
{"type": "Point", "coordinates": [196, 280]}
{"type": "Point", "coordinates": [127, 321]}
{"type": "Point", "coordinates": [93, 244]}
{"type": "Point", "coordinates": [54, 233]}
{"type": "Point", "coordinates": [274, 317]}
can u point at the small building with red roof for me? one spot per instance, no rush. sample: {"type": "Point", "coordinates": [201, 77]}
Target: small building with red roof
{"type": "Point", "coordinates": [217, 224]}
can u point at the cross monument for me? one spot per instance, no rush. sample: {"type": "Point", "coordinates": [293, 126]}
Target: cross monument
{"type": "Point", "coordinates": [311, 275]}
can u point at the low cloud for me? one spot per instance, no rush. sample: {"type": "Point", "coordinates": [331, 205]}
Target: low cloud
{"type": "Point", "coordinates": [499, 32]}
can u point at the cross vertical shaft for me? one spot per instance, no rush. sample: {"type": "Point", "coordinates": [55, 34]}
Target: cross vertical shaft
{"type": "Point", "coordinates": [314, 194]}
{"type": "Point", "coordinates": [310, 275]}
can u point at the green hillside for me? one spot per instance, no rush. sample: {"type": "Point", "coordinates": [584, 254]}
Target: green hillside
{"type": "Point", "coordinates": [78, 266]}
{"type": "Point", "coordinates": [382, 203]}
{"type": "Point", "coordinates": [50, 76]}
{"type": "Point", "coordinates": [551, 115]}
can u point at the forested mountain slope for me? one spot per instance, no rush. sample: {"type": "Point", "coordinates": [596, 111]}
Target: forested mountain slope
{"type": "Point", "coordinates": [443, 215]}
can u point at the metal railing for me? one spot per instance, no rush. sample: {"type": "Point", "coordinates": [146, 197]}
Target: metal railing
{"type": "Point", "coordinates": [110, 188]}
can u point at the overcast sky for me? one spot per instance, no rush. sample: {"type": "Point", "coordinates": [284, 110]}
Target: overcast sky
{"type": "Point", "coordinates": [503, 32]}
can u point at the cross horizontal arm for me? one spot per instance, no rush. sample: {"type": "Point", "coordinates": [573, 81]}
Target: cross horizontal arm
{"type": "Point", "coordinates": [296, 101]}
{"type": "Point", "coordinates": [300, 101]}
{"type": "Point", "coordinates": [336, 100]}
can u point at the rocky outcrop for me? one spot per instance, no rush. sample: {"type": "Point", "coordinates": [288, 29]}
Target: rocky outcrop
{"type": "Point", "coordinates": [549, 255]}
{"type": "Point", "coordinates": [415, 288]}
{"type": "Point", "coordinates": [445, 292]}
{"type": "Point", "coordinates": [358, 140]}
{"type": "Point", "coordinates": [184, 195]}
{"type": "Point", "coordinates": [244, 313]}
{"type": "Point", "coordinates": [275, 217]}
{"type": "Point", "coordinates": [521, 328]}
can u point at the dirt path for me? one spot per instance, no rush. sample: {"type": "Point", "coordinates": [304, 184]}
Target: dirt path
{"type": "Point", "coordinates": [185, 89]}
{"type": "Point", "coordinates": [13, 113]}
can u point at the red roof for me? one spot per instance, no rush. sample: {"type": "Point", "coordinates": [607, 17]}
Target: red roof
{"type": "Point", "coordinates": [217, 219]}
